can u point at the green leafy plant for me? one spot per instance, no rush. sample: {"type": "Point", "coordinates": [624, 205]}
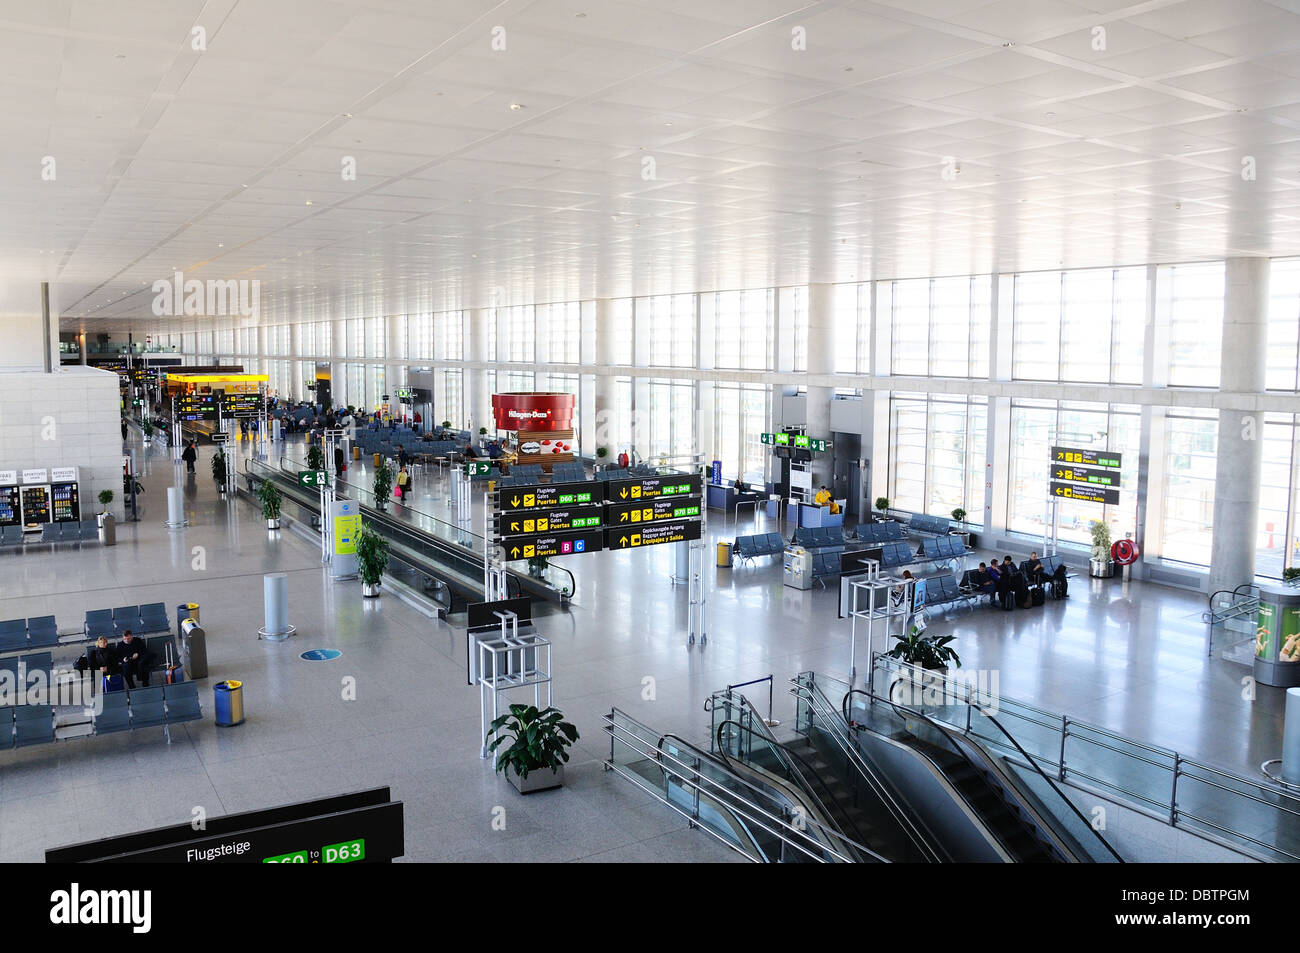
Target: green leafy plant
{"type": "Point", "coordinates": [1291, 572]}
{"type": "Point", "coordinates": [105, 498]}
{"type": "Point", "coordinates": [538, 564]}
{"type": "Point", "coordinates": [446, 424]}
{"type": "Point", "coordinates": [372, 556]}
{"type": "Point", "coordinates": [927, 651]}
{"type": "Point", "coordinates": [271, 498]}
{"type": "Point", "coordinates": [383, 482]}
{"type": "Point", "coordinates": [1100, 540]}
{"type": "Point", "coordinates": [602, 452]}
{"type": "Point", "coordinates": [219, 466]}
{"type": "Point", "coordinates": [352, 410]}
{"type": "Point", "coordinates": [315, 458]}
{"type": "Point", "coordinates": [482, 431]}
{"type": "Point", "coordinates": [882, 503]}
{"type": "Point", "coordinates": [959, 515]}
{"type": "Point", "coordinates": [147, 428]}
{"type": "Point", "coordinates": [538, 739]}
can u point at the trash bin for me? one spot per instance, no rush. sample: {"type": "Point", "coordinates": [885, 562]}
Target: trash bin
{"type": "Point", "coordinates": [186, 610]}
{"type": "Point", "coordinates": [724, 555]}
{"type": "Point", "coordinates": [107, 529]}
{"type": "Point", "coordinates": [228, 700]}
{"type": "Point", "coordinates": [194, 649]}
{"type": "Point", "coordinates": [376, 461]}
{"type": "Point", "coordinates": [356, 453]}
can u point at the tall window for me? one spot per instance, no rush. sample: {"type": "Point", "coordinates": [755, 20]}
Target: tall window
{"type": "Point", "coordinates": [564, 332]}
{"type": "Point", "coordinates": [1037, 426]}
{"type": "Point", "coordinates": [672, 419]}
{"type": "Point", "coordinates": [449, 336]}
{"type": "Point", "coordinates": [1190, 299]}
{"type": "Point", "coordinates": [1086, 326]}
{"type": "Point", "coordinates": [324, 338]}
{"type": "Point", "coordinates": [1275, 548]}
{"type": "Point", "coordinates": [851, 324]}
{"type": "Point", "coordinates": [672, 329]}
{"type": "Point", "coordinates": [940, 327]}
{"type": "Point", "coordinates": [1283, 361]}
{"type": "Point", "coordinates": [1191, 442]}
{"type": "Point", "coordinates": [624, 334]}
{"type": "Point", "coordinates": [419, 331]}
{"type": "Point", "coordinates": [799, 305]}
{"type": "Point", "coordinates": [521, 334]}
{"type": "Point", "coordinates": [937, 448]}
{"type": "Point", "coordinates": [744, 331]}
{"type": "Point", "coordinates": [739, 416]}
{"type": "Point", "coordinates": [450, 397]}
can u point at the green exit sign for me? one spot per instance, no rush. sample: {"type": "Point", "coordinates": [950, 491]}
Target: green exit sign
{"type": "Point", "coordinates": [313, 477]}
{"type": "Point", "coordinates": [477, 469]}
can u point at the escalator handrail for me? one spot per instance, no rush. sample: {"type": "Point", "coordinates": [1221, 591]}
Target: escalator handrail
{"type": "Point", "coordinates": [901, 817]}
{"type": "Point", "coordinates": [855, 841]}
{"type": "Point", "coordinates": [725, 765]}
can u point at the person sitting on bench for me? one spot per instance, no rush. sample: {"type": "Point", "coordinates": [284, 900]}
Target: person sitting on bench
{"type": "Point", "coordinates": [982, 580]}
{"type": "Point", "coordinates": [100, 659]}
{"type": "Point", "coordinates": [134, 656]}
{"type": "Point", "coordinates": [1034, 569]}
{"type": "Point", "coordinates": [1007, 583]}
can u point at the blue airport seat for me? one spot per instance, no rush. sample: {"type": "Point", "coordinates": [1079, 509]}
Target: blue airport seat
{"type": "Point", "coordinates": [182, 702]}
{"type": "Point", "coordinates": [13, 635]}
{"type": "Point", "coordinates": [33, 725]}
{"type": "Point", "coordinates": [6, 727]}
{"type": "Point", "coordinates": [42, 631]}
{"type": "Point", "coordinates": [115, 716]}
{"type": "Point", "coordinates": [51, 533]}
{"type": "Point", "coordinates": [147, 706]}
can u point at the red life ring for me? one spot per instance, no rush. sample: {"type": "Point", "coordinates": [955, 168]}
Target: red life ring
{"type": "Point", "coordinates": [1124, 552]}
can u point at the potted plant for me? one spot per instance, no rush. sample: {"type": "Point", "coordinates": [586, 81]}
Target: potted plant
{"type": "Point", "coordinates": [1291, 574]}
{"type": "Point", "coordinates": [1100, 565]}
{"type": "Point", "coordinates": [537, 565]}
{"type": "Point", "coordinates": [538, 740]}
{"type": "Point", "coordinates": [107, 522]}
{"type": "Point", "coordinates": [271, 498]}
{"type": "Point", "coordinates": [602, 452]}
{"type": "Point", "coordinates": [383, 484]}
{"type": "Point", "coordinates": [930, 655]}
{"type": "Point", "coordinates": [446, 425]}
{"type": "Point", "coordinates": [146, 427]}
{"type": "Point", "coordinates": [219, 469]}
{"type": "Point", "coordinates": [372, 560]}
{"type": "Point", "coordinates": [882, 505]}
{"type": "Point", "coordinates": [315, 458]}
{"type": "Point", "coordinates": [959, 517]}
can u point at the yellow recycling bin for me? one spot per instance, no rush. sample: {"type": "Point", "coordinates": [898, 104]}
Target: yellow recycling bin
{"type": "Point", "coordinates": [724, 555]}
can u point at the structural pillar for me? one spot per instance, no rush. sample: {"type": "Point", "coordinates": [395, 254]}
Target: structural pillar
{"type": "Point", "coordinates": [478, 390]}
{"type": "Point", "coordinates": [821, 360]}
{"type": "Point", "coordinates": [604, 404]}
{"type": "Point", "coordinates": [1241, 425]}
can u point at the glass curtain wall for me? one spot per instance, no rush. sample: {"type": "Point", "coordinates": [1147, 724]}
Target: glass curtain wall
{"type": "Point", "coordinates": [937, 453]}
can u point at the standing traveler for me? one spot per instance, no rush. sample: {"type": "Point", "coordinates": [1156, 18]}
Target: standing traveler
{"type": "Point", "coordinates": [189, 455]}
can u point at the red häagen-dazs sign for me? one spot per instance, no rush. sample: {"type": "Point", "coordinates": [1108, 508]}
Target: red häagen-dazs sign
{"type": "Point", "coordinates": [533, 411]}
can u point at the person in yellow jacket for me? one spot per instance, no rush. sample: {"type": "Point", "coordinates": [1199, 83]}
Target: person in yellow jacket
{"type": "Point", "coordinates": [823, 498]}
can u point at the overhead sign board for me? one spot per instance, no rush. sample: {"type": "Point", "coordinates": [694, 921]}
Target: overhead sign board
{"type": "Point", "coordinates": [196, 407]}
{"type": "Point", "coordinates": [242, 405]}
{"type": "Point", "coordinates": [650, 488]}
{"type": "Point", "coordinates": [798, 441]}
{"type": "Point", "coordinates": [554, 544]}
{"type": "Point", "coordinates": [676, 531]}
{"type": "Point", "coordinates": [526, 522]}
{"type": "Point", "coordinates": [540, 497]}
{"type": "Point", "coordinates": [1076, 473]}
{"type": "Point", "coordinates": [1089, 458]}
{"type": "Point", "coordinates": [650, 511]}
{"type": "Point", "coordinates": [1084, 492]}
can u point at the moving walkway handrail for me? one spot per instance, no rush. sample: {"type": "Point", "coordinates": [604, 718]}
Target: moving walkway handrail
{"type": "Point", "coordinates": [855, 841]}
{"type": "Point", "coordinates": [785, 832]}
{"type": "Point", "coordinates": [868, 774]}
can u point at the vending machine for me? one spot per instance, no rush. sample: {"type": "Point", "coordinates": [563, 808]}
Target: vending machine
{"type": "Point", "coordinates": [35, 499]}
{"type": "Point", "coordinates": [66, 506]}
{"type": "Point", "coordinates": [11, 511]}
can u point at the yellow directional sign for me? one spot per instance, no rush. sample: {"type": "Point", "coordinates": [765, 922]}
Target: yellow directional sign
{"type": "Point", "coordinates": [667, 532]}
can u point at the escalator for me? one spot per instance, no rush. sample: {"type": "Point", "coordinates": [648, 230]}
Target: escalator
{"type": "Point", "coordinates": [975, 805]}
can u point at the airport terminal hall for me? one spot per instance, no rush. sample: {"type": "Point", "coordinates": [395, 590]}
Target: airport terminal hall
{"type": "Point", "coordinates": [640, 431]}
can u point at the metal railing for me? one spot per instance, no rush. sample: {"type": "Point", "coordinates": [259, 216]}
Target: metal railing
{"type": "Point", "coordinates": [1157, 781]}
{"type": "Point", "coordinates": [1225, 605]}
{"type": "Point", "coordinates": [694, 784]}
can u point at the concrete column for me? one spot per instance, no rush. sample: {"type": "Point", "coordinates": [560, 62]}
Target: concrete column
{"type": "Point", "coordinates": [82, 338]}
{"type": "Point", "coordinates": [605, 408]}
{"type": "Point", "coordinates": [477, 389]}
{"type": "Point", "coordinates": [1241, 377]}
{"type": "Point", "coordinates": [821, 360]}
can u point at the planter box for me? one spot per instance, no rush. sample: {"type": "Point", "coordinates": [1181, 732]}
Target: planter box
{"type": "Point", "coordinates": [1101, 568]}
{"type": "Point", "coordinates": [369, 591]}
{"type": "Point", "coordinates": [540, 780]}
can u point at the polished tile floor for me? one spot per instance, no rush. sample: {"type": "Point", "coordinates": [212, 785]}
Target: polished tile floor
{"type": "Point", "coordinates": [1127, 657]}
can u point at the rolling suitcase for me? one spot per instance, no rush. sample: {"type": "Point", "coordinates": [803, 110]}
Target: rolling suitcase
{"type": "Point", "coordinates": [112, 683]}
{"type": "Point", "coordinates": [172, 673]}
{"type": "Point", "coordinates": [1039, 595]}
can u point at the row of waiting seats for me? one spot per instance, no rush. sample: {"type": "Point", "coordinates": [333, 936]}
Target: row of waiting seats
{"type": "Point", "coordinates": [19, 634]}
{"type": "Point", "coordinates": [881, 532]}
{"type": "Point", "coordinates": [107, 623]}
{"type": "Point", "coordinates": [760, 544]}
{"type": "Point", "coordinates": [818, 538]}
{"type": "Point", "coordinates": [627, 473]}
{"type": "Point", "coordinates": [86, 531]}
{"type": "Point", "coordinates": [21, 668]}
{"type": "Point", "coordinates": [930, 525]}
{"type": "Point", "coordinates": [146, 707]}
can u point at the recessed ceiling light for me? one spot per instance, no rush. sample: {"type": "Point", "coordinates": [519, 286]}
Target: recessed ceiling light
{"type": "Point", "coordinates": [119, 56]}
{"type": "Point", "coordinates": [581, 16]}
{"type": "Point", "coordinates": [221, 244]}
{"type": "Point", "coordinates": [667, 124]}
{"type": "Point", "coordinates": [309, 201]}
{"type": "Point", "coordinates": [1050, 115]}
{"type": "Point", "coordinates": [516, 106]}
{"type": "Point", "coordinates": [244, 186]}
{"type": "Point", "coordinates": [347, 115]}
